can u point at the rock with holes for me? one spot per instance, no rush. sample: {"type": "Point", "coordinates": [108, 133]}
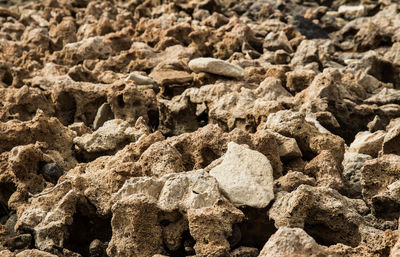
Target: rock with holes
{"type": "Point", "coordinates": [100, 178]}
{"type": "Point", "coordinates": [49, 216]}
{"type": "Point", "coordinates": [322, 212]}
{"type": "Point", "coordinates": [211, 226]}
{"type": "Point", "coordinates": [136, 230]}
{"type": "Point", "coordinates": [216, 66]}
{"type": "Point", "coordinates": [326, 170]}
{"type": "Point", "coordinates": [377, 174]}
{"type": "Point", "coordinates": [245, 176]}
{"type": "Point", "coordinates": [113, 135]}
{"type": "Point", "coordinates": [292, 242]}
{"type": "Point", "coordinates": [310, 138]}
{"type": "Point", "coordinates": [352, 167]}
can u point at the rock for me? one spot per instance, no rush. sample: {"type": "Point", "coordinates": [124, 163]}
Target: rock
{"type": "Point", "coordinates": [292, 242]}
{"type": "Point", "coordinates": [245, 177]}
{"type": "Point", "coordinates": [169, 77]}
{"type": "Point", "coordinates": [351, 12]}
{"type": "Point", "coordinates": [51, 172]}
{"type": "Point", "coordinates": [377, 174]}
{"type": "Point", "coordinates": [110, 137]}
{"type": "Point", "coordinates": [217, 67]}
{"type": "Point", "coordinates": [275, 41]}
{"type": "Point", "coordinates": [352, 166]}
{"type": "Point", "coordinates": [368, 143]}
{"type": "Point", "coordinates": [305, 208]}
{"type": "Point", "coordinates": [288, 148]}
{"type": "Point", "coordinates": [135, 228]}
{"type": "Point", "coordinates": [309, 139]}
{"type": "Point", "coordinates": [391, 140]}
{"type": "Point", "coordinates": [104, 113]}
{"type": "Point", "coordinates": [80, 128]}
{"type": "Point", "coordinates": [307, 52]}
{"type": "Point", "coordinates": [298, 80]}
{"type": "Point", "coordinates": [211, 240]}
{"type": "Point", "coordinates": [140, 79]}
{"type": "Point", "coordinates": [34, 252]}
{"type": "Point", "coordinates": [292, 180]}
{"type": "Point", "coordinates": [326, 170]}
{"type": "Point", "coordinates": [244, 251]}
{"type": "Point", "coordinates": [49, 216]}
{"type": "Point", "coordinates": [160, 159]}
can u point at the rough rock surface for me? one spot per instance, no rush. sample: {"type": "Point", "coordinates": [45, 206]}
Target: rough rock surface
{"type": "Point", "coordinates": [245, 176]}
{"type": "Point", "coordinates": [215, 128]}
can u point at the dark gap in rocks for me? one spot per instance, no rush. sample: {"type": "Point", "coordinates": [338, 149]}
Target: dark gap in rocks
{"type": "Point", "coordinates": [65, 108]}
{"type": "Point", "coordinates": [168, 92]}
{"type": "Point", "coordinates": [208, 156]}
{"type": "Point", "coordinates": [87, 226]}
{"type": "Point", "coordinates": [154, 119]}
{"type": "Point", "coordinates": [91, 110]}
{"type": "Point", "coordinates": [256, 228]}
{"type": "Point", "coordinates": [7, 78]}
{"type": "Point", "coordinates": [385, 208]}
{"type": "Point", "coordinates": [186, 247]}
{"type": "Point", "coordinates": [339, 230]}
{"type": "Point", "coordinates": [120, 101]}
{"type": "Point", "coordinates": [202, 119]}
{"type": "Point", "coordinates": [6, 190]}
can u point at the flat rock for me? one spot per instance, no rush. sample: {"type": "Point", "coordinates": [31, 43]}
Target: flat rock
{"type": "Point", "coordinates": [216, 66]}
{"type": "Point", "coordinates": [245, 176]}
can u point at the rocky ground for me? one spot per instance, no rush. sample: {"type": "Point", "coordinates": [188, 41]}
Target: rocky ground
{"type": "Point", "coordinates": [199, 128]}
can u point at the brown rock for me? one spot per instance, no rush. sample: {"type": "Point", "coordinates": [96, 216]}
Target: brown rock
{"type": "Point", "coordinates": [135, 226]}
{"type": "Point", "coordinates": [326, 170]}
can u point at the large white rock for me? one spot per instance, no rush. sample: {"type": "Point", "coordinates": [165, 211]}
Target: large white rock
{"type": "Point", "coordinates": [216, 66]}
{"type": "Point", "coordinates": [245, 176]}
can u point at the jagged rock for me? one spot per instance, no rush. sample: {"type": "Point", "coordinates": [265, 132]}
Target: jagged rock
{"type": "Point", "coordinates": [277, 40]}
{"type": "Point", "coordinates": [391, 140]}
{"type": "Point", "coordinates": [292, 242]}
{"type": "Point", "coordinates": [352, 166]}
{"type": "Point", "coordinates": [292, 180]}
{"type": "Point", "coordinates": [216, 66]}
{"type": "Point", "coordinates": [308, 207]}
{"type": "Point", "coordinates": [99, 179]}
{"type": "Point", "coordinates": [368, 143]}
{"type": "Point", "coordinates": [111, 136]}
{"type": "Point", "coordinates": [288, 148]}
{"type": "Point", "coordinates": [211, 240]}
{"type": "Point", "coordinates": [377, 174]}
{"type": "Point", "coordinates": [309, 139]}
{"type": "Point", "coordinates": [298, 80]}
{"type": "Point", "coordinates": [48, 216]}
{"type": "Point", "coordinates": [245, 176]}
{"type": "Point", "coordinates": [135, 227]}
{"type": "Point", "coordinates": [326, 170]}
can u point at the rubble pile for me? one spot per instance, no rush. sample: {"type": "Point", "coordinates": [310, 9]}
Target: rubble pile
{"type": "Point", "coordinates": [199, 128]}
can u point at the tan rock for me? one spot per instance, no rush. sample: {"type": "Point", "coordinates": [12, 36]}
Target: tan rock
{"type": "Point", "coordinates": [292, 242]}
{"type": "Point", "coordinates": [216, 66]}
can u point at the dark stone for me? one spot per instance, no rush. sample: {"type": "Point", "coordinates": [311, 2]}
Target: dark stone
{"type": "Point", "coordinates": [51, 172]}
